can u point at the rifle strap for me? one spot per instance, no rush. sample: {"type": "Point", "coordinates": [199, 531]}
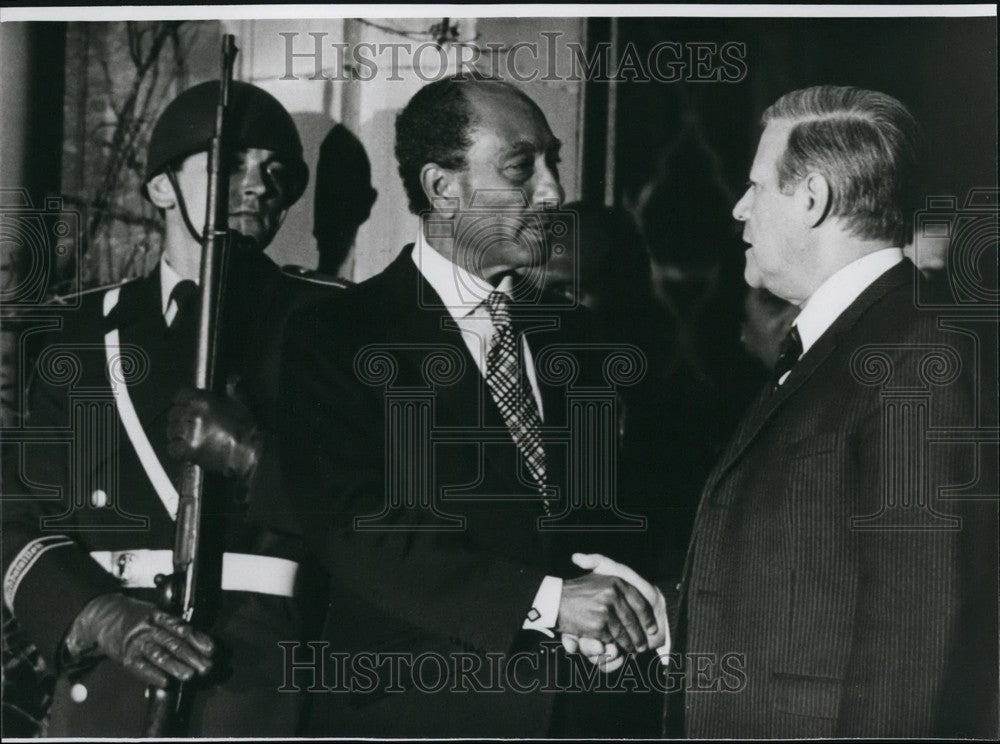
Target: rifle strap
{"type": "Point", "coordinates": [130, 418]}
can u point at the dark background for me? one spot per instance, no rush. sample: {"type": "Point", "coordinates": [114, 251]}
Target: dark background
{"type": "Point", "coordinates": [944, 69]}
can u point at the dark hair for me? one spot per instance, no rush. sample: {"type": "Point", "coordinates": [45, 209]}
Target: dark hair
{"type": "Point", "coordinates": [434, 128]}
{"type": "Point", "coordinates": [865, 143]}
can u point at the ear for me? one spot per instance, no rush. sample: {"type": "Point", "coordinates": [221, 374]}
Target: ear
{"type": "Point", "coordinates": [161, 191]}
{"type": "Point", "coordinates": [814, 196]}
{"type": "Point", "coordinates": [440, 186]}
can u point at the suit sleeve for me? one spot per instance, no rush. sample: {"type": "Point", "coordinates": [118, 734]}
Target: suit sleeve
{"type": "Point", "coordinates": [333, 453]}
{"type": "Point", "coordinates": [48, 576]}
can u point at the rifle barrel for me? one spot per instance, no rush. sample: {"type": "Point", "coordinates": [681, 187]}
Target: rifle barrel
{"type": "Point", "coordinates": [179, 592]}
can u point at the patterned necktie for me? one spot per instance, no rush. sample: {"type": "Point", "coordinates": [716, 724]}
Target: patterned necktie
{"type": "Point", "coordinates": [511, 391]}
{"type": "Point", "coordinates": [788, 355]}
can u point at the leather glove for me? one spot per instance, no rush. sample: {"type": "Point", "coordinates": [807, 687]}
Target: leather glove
{"type": "Point", "coordinates": [149, 643]}
{"type": "Point", "coordinates": [216, 432]}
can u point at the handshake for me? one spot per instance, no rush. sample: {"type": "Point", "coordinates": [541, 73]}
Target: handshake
{"type": "Point", "coordinates": [611, 611]}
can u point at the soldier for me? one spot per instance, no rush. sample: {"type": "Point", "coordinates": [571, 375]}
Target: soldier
{"type": "Point", "coordinates": [80, 558]}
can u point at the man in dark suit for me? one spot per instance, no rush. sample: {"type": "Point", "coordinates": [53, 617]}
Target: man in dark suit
{"type": "Point", "coordinates": [426, 444]}
{"type": "Point", "coordinates": [114, 417]}
{"type": "Point", "coordinates": [842, 576]}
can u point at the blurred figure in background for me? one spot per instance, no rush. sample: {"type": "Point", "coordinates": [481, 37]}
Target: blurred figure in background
{"type": "Point", "coordinates": [344, 196]}
{"type": "Point", "coordinates": [607, 272]}
{"type": "Point", "coordinates": [701, 378]}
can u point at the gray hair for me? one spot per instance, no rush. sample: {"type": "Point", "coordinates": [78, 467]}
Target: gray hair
{"type": "Point", "coordinates": [864, 143]}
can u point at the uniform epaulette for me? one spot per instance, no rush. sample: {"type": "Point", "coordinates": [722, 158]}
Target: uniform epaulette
{"type": "Point", "coordinates": [66, 299]}
{"type": "Point", "coordinates": [314, 276]}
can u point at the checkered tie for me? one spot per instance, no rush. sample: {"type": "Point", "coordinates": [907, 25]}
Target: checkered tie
{"type": "Point", "coordinates": [511, 391]}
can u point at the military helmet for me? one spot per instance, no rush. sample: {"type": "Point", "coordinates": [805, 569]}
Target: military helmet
{"type": "Point", "coordinates": [256, 118]}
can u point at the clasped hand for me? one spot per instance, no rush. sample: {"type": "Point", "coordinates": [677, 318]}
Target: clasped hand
{"type": "Point", "coordinates": [633, 612]}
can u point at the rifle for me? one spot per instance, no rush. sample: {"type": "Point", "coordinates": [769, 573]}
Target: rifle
{"type": "Point", "coordinates": [178, 591]}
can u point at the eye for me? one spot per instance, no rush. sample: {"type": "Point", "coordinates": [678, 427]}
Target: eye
{"type": "Point", "coordinates": [520, 170]}
{"type": "Point", "coordinates": [277, 172]}
{"type": "Point", "coordinates": [276, 169]}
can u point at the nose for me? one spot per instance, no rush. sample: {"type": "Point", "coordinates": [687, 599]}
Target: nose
{"type": "Point", "coordinates": [741, 211]}
{"type": "Point", "coordinates": [548, 191]}
{"type": "Point", "coordinates": [251, 179]}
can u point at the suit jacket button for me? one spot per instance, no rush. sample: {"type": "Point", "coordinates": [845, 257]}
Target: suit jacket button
{"type": "Point", "coordinates": [99, 499]}
{"type": "Point", "coordinates": [78, 693]}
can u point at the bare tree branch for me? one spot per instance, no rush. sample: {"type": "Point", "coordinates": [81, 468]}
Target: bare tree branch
{"type": "Point", "coordinates": [125, 133]}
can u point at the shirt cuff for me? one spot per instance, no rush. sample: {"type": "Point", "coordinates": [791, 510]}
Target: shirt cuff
{"type": "Point", "coordinates": [544, 613]}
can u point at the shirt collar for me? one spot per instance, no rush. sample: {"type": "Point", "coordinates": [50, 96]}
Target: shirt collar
{"type": "Point", "coordinates": [834, 295]}
{"type": "Point", "coordinates": [460, 291]}
{"type": "Point", "coordinates": [168, 280]}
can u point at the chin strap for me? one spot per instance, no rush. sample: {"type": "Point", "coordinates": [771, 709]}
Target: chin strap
{"type": "Point", "coordinates": [172, 175]}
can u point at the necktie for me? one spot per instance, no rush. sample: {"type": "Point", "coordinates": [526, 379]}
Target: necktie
{"type": "Point", "coordinates": [788, 354]}
{"type": "Point", "coordinates": [183, 329]}
{"type": "Point", "coordinates": [511, 392]}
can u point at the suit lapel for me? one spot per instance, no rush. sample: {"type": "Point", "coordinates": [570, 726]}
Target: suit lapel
{"type": "Point", "coordinates": [539, 334]}
{"type": "Point", "coordinates": [419, 321]}
{"type": "Point", "coordinates": [419, 318]}
{"type": "Point", "coordinates": [767, 404]}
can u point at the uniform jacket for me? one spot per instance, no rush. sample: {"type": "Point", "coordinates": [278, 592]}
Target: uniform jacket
{"type": "Point", "coordinates": [89, 491]}
{"type": "Point", "coordinates": [842, 613]}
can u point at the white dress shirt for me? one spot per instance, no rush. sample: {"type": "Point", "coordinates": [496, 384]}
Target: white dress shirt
{"type": "Point", "coordinates": [168, 280]}
{"type": "Point", "coordinates": [464, 295]}
{"type": "Point", "coordinates": [836, 294]}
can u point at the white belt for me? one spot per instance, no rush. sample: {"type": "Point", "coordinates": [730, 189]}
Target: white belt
{"type": "Point", "coordinates": [241, 572]}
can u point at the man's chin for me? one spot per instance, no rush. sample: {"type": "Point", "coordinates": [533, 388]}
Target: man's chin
{"type": "Point", "coordinates": [252, 232]}
{"type": "Point", "coordinates": [751, 272]}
